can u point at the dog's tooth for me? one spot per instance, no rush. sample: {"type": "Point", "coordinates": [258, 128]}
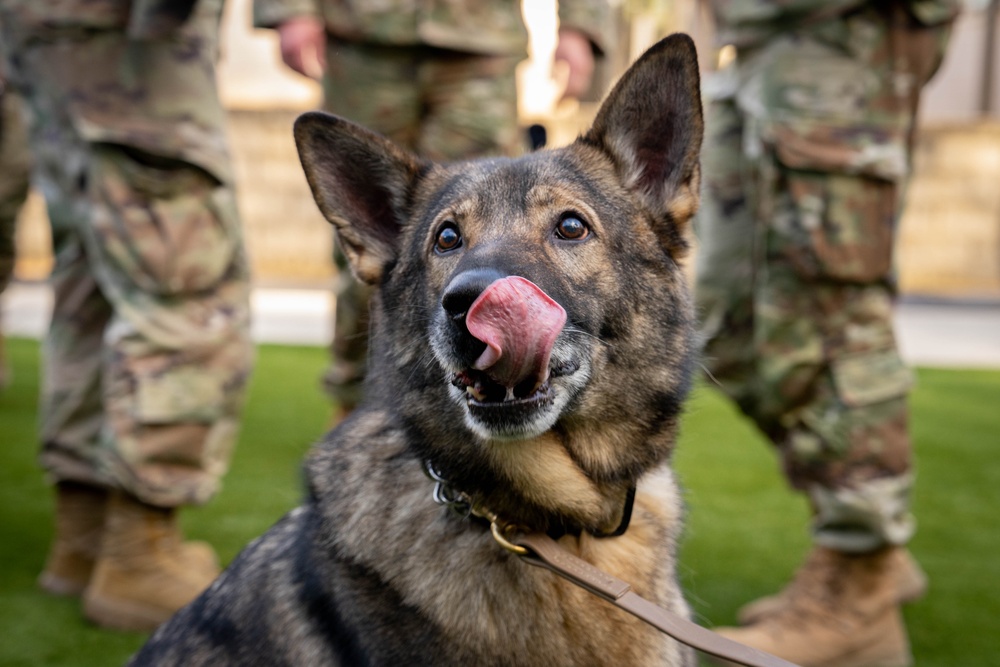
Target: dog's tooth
{"type": "Point", "coordinates": [472, 391]}
{"type": "Point", "coordinates": [510, 394]}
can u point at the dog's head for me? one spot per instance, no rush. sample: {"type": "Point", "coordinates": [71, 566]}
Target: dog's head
{"type": "Point", "coordinates": [531, 317]}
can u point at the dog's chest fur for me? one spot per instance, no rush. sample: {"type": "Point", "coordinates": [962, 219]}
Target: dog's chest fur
{"type": "Point", "coordinates": [480, 603]}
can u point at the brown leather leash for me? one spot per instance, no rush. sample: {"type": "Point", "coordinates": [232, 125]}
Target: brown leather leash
{"type": "Point", "coordinates": [541, 550]}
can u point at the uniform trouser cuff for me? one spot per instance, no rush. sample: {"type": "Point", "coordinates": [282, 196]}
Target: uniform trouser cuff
{"type": "Point", "coordinates": [865, 518]}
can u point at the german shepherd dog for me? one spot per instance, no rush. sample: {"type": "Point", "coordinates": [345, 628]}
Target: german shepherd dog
{"type": "Point", "coordinates": [531, 345]}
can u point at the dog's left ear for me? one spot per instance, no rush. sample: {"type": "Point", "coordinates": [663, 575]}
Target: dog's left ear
{"type": "Point", "coordinates": [651, 126]}
{"type": "Point", "coordinates": [362, 183]}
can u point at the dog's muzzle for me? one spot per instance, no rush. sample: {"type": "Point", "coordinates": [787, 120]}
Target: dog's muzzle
{"type": "Point", "coordinates": [510, 326]}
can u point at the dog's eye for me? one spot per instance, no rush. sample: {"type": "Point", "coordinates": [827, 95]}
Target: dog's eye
{"type": "Point", "coordinates": [448, 238]}
{"type": "Point", "coordinates": [572, 228]}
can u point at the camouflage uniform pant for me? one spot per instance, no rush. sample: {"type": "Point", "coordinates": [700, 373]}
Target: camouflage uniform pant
{"type": "Point", "coordinates": [439, 104]}
{"type": "Point", "coordinates": [795, 297]}
{"type": "Point", "coordinates": [794, 273]}
{"type": "Point", "coordinates": [148, 351]}
{"type": "Point", "coordinates": [15, 167]}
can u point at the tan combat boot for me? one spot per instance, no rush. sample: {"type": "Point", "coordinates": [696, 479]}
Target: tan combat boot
{"type": "Point", "coordinates": [845, 613]}
{"type": "Point", "coordinates": [79, 522]}
{"type": "Point", "coordinates": [145, 571]}
{"type": "Point", "coordinates": [911, 584]}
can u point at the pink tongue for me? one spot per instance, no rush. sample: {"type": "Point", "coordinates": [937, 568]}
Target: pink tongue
{"type": "Point", "coordinates": [519, 324]}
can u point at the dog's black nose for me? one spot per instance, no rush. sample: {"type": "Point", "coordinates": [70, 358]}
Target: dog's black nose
{"type": "Point", "coordinates": [465, 288]}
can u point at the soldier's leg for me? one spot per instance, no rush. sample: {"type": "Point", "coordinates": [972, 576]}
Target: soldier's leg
{"type": "Point", "coordinates": [833, 398]}
{"type": "Point", "coordinates": [843, 435]}
{"type": "Point", "coordinates": [833, 380]}
{"type": "Point", "coordinates": [726, 234]}
{"type": "Point", "coordinates": [165, 247]}
{"type": "Point", "coordinates": [162, 244]}
{"type": "Point", "coordinates": [470, 106]}
{"type": "Point", "coordinates": [71, 413]}
{"type": "Point", "coordinates": [70, 406]}
{"type": "Point", "coordinates": [15, 171]}
{"type": "Point", "coordinates": [343, 379]}
{"type": "Point", "coordinates": [376, 87]}
{"type": "Point", "coordinates": [162, 241]}
{"type": "Point", "coordinates": [15, 167]}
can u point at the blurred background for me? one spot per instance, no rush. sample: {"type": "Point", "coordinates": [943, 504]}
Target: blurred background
{"type": "Point", "coordinates": [949, 246]}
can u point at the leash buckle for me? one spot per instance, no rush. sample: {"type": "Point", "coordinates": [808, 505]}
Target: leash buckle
{"type": "Point", "coordinates": [499, 531]}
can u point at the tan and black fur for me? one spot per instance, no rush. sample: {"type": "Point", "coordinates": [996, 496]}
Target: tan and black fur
{"type": "Point", "coordinates": [369, 570]}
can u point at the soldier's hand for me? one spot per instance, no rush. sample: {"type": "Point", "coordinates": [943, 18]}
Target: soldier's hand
{"type": "Point", "coordinates": [303, 45]}
{"type": "Point", "coordinates": [574, 48]}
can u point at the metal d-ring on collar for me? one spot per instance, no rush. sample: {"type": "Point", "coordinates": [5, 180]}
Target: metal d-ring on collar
{"type": "Point", "coordinates": [446, 494]}
{"type": "Point", "coordinates": [460, 503]}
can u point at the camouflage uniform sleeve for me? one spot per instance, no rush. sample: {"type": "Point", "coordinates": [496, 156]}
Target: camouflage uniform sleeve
{"type": "Point", "coordinates": [272, 13]}
{"type": "Point", "coordinates": [935, 12]}
{"type": "Point", "coordinates": [742, 12]}
{"type": "Point", "coordinates": [156, 19]}
{"type": "Point", "coordinates": [749, 22]}
{"type": "Point", "coordinates": [591, 17]}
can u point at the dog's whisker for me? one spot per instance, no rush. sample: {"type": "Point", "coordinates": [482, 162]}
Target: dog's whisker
{"type": "Point", "coordinates": [708, 373]}
{"type": "Point", "coordinates": [580, 332]}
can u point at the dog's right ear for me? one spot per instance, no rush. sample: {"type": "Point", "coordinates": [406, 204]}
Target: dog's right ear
{"type": "Point", "coordinates": [362, 183]}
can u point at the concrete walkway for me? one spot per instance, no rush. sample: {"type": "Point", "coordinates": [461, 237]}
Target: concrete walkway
{"type": "Point", "coordinates": [931, 333]}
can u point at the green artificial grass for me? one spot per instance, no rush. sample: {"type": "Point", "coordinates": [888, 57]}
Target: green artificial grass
{"type": "Point", "coordinates": [745, 532]}
{"type": "Point", "coordinates": [285, 414]}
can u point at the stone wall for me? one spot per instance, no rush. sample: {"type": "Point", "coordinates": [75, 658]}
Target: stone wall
{"type": "Point", "coordinates": [949, 239]}
{"type": "Point", "coordinates": [287, 238]}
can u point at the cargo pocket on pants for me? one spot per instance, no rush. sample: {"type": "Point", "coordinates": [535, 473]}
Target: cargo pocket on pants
{"type": "Point", "coordinates": [181, 394]}
{"type": "Point", "coordinates": [182, 436]}
{"type": "Point", "coordinates": [872, 377]}
{"type": "Point", "coordinates": [169, 225]}
{"type": "Point", "coordinates": [176, 412]}
{"type": "Point", "coordinates": [865, 386]}
{"type": "Point", "coordinates": [837, 226]}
